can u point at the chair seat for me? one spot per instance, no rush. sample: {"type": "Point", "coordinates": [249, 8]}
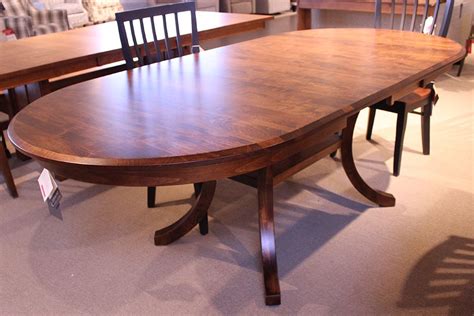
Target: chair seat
{"type": "Point", "coordinates": [417, 97]}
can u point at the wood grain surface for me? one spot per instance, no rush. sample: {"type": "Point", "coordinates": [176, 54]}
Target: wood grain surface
{"type": "Point", "coordinates": [233, 102]}
{"type": "Point", "coordinates": [228, 112]}
{"type": "Point", "coordinates": [43, 57]}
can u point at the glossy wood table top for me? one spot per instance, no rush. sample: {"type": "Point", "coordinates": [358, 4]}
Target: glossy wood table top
{"type": "Point", "coordinates": [227, 102]}
{"type": "Point", "coordinates": [47, 56]}
{"type": "Point", "coordinates": [250, 111]}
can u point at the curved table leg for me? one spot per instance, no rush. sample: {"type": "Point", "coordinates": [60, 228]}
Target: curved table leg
{"type": "Point", "coordinates": [197, 214]}
{"type": "Point", "coordinates": [376, 196]}
{"type": "Point", "coordinates": [267, 237]}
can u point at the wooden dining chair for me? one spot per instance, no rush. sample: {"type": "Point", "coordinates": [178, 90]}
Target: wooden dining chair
{"type": "Point", "coordinates": [167, 44]}
{"type": "Point", "coordinates": [422, 98]}
{"type": "Point", "coordinates": [160, 45]}
{"type": "Point", "coordinates": [4, 154]}
{"type": "Point", "coordinates": [5, 170]}
{"type": "Point", "coordinates": [6, 107]}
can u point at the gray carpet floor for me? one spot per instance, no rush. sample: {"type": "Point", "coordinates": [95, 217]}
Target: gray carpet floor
{"type": "Point", "coordinates": [338, 254]}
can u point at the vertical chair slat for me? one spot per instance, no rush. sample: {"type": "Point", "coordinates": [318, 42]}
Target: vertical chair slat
{"type": "Point", "coordinates": [169, 53]}
{"type": "Point", "coordinates": [392, 14]}
{"type": "Point", "coordinates": [404, 14]}
{"type": "Point", "coordinates": [145, 55]}
{"type": "Point", "coordinates": [178, 35]}
{"type": "Point", "coordinates": [435, 15]}
{"type": "Point", "coordinates": [448, 12]}
{"type": "Point", "coordinates": [425, 14]}
{"type": "Point", "coordinates": [194, 33]}
{"type": "Point", "coordinates": [127, 55]}
{"type": "Point", "coordinates": [413, 18]}
{"type": "Point", "coordinates": [145, 43]}
{"type": "Point", "coordinates": [135, 45]}
{"type": "Point", "coordinates": [155, 39]}
{"type": "Point", "coordinates": [378, 14]}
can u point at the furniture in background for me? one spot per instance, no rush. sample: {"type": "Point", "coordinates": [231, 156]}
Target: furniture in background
{"type": "Point", "coordinates": [187, 120]}
{"type": "Point", "coordinates": [423, 97]}
{"type": "Point", "coordinates": [96, 47]}
{"type": "Point", "coordinates": [6, 172]}
{"type": "Point", "coordinates": [305, 7]}
{"type": "Point", "coordinates": [102, 10]}
{"type": "Point", "coordinates": [201, 5]}
{"type": "Point", "coordinates": [168, 26]}
{"type": "Point", "coordinates": [26, 20]}
{"type": "Point", "coordinates": [76, 13]}
{"type": "Point", "coordinates": [4, 154]}
{"type": "Point", "coordinates": [272, 6]}
{"type": "Point", "coordinates": [238, 6]}
{"type": "Point", "coordinates": [469, 42]}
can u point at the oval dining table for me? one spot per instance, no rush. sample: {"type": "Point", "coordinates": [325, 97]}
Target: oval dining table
{"type": "Point", "coordinates": [256, 112]}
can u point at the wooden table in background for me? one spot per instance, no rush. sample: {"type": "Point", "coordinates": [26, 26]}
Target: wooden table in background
{"type": "Point", "coordinates": [305, 6]}
{"type": "Point", "coordinates": [40, 58]}
{"type": "Point", "coordinates": [250, 112]}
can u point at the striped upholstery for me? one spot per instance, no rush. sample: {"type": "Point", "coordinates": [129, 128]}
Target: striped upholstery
{"type": "Point", "coordinates": [76, 13]}
{"type": "Point", "coordinates": [26, 21]}
{"type": "Point", "coordinates": [21, 25]}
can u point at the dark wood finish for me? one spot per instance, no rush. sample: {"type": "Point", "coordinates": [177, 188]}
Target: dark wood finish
{"type": "Point", "coordinates": [49, 56]}
{"type": "Point", "coordinates": [370, 123]}
{"type": "Point", "coordinates": [379, 197]}
{"type": "Point", "coordinates": [440, 29]}
{"type": "Point", "coordinates": [425, 127]}
{"type": "Point", "coordinates": [5, 170]}
{"type": "Point", "coordinates": [151, 197]}
{"type": "Point", "coordinates": [203, 223]}
{"type": "Point", "coordinates": [267, 237]}
{"type": "Point", "coordinates": [148, 54]}
{"type": "Point", "coordinates": [399, 137]}
{"type": "Point", "coordinates": [220, 114]}
{"type": "Point", "coordinates": [418, 97]}
{"type": "Point", "coordinates": [87, 74]}
{"type": "Point", "coordinates": [144, 23]}
{"type": "Point", "coordinates": [387, 6]}
{"type": "Point", "coordinates": [194, 216]}
{"type": "Point", "coordinates": [6, 107]}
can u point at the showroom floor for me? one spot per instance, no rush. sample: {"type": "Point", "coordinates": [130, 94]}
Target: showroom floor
{"type": "Point", "coordinates": [337, 253]}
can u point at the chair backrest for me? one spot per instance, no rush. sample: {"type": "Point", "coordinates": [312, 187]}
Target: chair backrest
{"type": "Point", "coordinates": [170, 32]}
{"type": "Point", "coordinates": [412, 26]}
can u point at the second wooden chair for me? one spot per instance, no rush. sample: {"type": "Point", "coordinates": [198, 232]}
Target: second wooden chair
{"type": "Point", "coordinates": [424, 97]}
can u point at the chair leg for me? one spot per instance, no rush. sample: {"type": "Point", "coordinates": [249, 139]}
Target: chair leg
{"type": "Point", "coordinates": [425, 129]}
{"type": "Point", "coordinates": [334, 153]}
{"type": "Point", "coordinates": [370, 123]}
{"type": "Point", "coordinates": [4, 144]}
{"type": "Point", "coordinates": [151, 197]}
{"type": "Point", "coordinates": [204, 222]}
{"type": "Point", "coordinates": [401, 126]}
{"type": "Point", "coordinates": [5, 168]}
{"type": "Point", "coordinates": [461, 66]}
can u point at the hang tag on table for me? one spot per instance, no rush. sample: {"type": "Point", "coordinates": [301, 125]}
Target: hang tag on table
{"type": "Point", "coordinates": [50, 193]}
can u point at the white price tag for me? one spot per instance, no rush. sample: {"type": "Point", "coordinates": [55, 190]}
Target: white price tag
{"type": "Point", "coordinates": [47, 184]}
